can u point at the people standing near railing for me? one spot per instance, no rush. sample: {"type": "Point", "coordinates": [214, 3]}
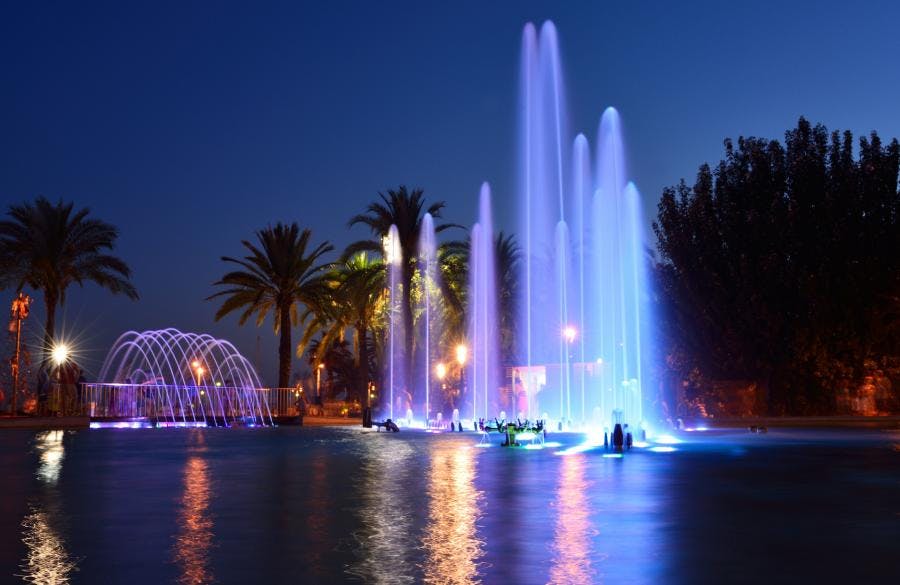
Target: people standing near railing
{"type": "Point", "coordinates": [43, 390]}
{"type": "Point", "coordinates": [66, 376]}
{"type": "Point", "coordinates": [80, 387]}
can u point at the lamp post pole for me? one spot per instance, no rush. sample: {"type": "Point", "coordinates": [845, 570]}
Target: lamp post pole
{"type": "Point", "coordinates": [19, 313]}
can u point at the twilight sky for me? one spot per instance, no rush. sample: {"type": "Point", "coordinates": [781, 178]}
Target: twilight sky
{"type": "Point", "coordinates": [189, 125]}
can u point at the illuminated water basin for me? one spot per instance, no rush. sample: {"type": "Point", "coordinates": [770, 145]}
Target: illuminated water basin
{"type": "Point", "coordinates": [331, 505]}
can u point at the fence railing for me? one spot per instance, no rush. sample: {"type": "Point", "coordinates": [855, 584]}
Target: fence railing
{"type": "Point", "coordinates": [181, 403]}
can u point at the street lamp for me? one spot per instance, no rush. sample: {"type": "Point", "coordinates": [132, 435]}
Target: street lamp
{"type": "Point", "coordinates": [462, 353]}
{"type": "Point", "coordinates": [60, 354]}
{"type": "Point", "coordinates": [440, 370]}
{"type": "Point", "coordinates": [19, 313]}
{"type": "Point", "coordinates": [319, 381]}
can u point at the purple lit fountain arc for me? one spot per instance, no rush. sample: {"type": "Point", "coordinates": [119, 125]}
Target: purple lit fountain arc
{"type": "Point", "coordinates": [191, 375]}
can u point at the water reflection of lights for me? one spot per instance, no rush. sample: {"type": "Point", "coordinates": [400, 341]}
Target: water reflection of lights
{"type": "Point", "coordinates": [47, 560]}
{"type": "Point", "coordinates": [573, 534]}
{"type": "Point", "coordinates": [50, 447]}
{"type": "Point", "coordinates": [663, 449]}
{"type": "Point", "coordinates": [452, 548]}
{"type": "Point", "coordinates": [195, 536]}
{"type": "Point", "coordinates": [386, 515]}
{"type": "Point", "coordinates": [668, 440]}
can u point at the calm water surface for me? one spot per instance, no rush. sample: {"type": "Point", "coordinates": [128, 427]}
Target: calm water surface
{"type": "Point", "coordinates": [331, 505]}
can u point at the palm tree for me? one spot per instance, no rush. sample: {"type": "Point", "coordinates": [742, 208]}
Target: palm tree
{"type": "Point", "coordinates": [507, 256]}
{"type": "Point", "coordinates": [275, 277]}
{"type": "Point", "coordinates": [404, 209]}
{"type": "Point", "coordinates": [49, 246]}
{"type": "Point", "coordinates": [354, 298]}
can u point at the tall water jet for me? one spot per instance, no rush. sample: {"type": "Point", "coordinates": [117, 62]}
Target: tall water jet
{"type": "Point", "coordinates": [583, 304]}
{"type": "Point", "coordinates": [541, 182]}
{"type": "Point", "coordinates": [428, 317]}
{"type": "Point", "coordinates": [393, 257]}
{"type": "Point", "coordinates": [484, 330]}
{"type": "Point", "coordinates": [580, 213]}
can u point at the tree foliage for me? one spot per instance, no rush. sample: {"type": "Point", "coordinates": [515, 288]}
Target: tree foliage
{"type": "Point", "coordinates": [278, 275]}
{"type": "Point", "coordinates": [50, 246]}
{"type": "Point", "coordinates": [781, 265]}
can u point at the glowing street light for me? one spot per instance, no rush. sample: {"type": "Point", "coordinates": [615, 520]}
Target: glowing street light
{"type": "Point", "coordinates": [462, 354]}
{"type": "Point", "coordinates": [60, 354]}
{"type": "Point", "coordinates": [440, 370]}
{"type": "Point", "coordinates": [319, 379]}
{"type": "Point", "coordinates": [569, 333]}
{"type": "Point", "coordinates": [200, 371]}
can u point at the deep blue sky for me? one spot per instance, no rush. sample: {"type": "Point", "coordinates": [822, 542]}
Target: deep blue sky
{"type": "Point", "coordinates": [189, 125]}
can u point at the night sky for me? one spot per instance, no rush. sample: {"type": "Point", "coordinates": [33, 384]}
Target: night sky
{"type": "Point", "coordinates": [190, 125]}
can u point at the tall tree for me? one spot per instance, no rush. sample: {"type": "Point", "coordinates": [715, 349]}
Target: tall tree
{"type": "Point", "coordinates": [275, 277]}
{"type": "Point", "coordinates": [780, 265]}
{"type": "Point", "coordinates": [353, 299]}
{"type": "Point", "coordinates": [404, 209]}
{"type": "Point", "coordinates": [49, 246]}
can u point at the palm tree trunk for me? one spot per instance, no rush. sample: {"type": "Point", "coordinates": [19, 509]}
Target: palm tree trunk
{"type": "Point", "coordinates": [50, 303]}
{"type": "Point", "coordinates": [284, 348]}
{"type": "Point", "coordinates": [362, 354]}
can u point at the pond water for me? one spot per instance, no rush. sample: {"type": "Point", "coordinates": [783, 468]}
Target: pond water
{"type": "Point", "coordinates": [331, 505]}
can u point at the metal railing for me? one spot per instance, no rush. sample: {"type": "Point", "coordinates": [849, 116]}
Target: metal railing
{"type": "Point", "coordinates": [177, 403]}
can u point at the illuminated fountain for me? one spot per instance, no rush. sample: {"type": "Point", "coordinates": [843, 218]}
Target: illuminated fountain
{"type": "Point", "coordinates": [582, 340]}
{"type": "Point", "coordinates": [484, 372]}
{"type": "Point", "coordinates": [177, 378]}
{"type": "Point", "coordinates": [428, 320]}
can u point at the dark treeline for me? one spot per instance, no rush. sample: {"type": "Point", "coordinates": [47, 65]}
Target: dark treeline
{"type": "Point", "coordinates": [781, 267]}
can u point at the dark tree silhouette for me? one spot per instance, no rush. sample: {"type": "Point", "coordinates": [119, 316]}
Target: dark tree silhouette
{"type": "Point", "coordinates": [50, 246]}
{"type": "Point", "coordinates": [781, 264]}
{"type": "Point", "coordinates": [275, 277]}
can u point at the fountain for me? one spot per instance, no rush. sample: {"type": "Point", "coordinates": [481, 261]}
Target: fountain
{"type": "Point", "coordinates": [582, 343]}
{"type": "Point", "coordinates": [177, 378]}
{"type": "Point", "coordinates": [393, 256]}
{"type": "Point", "coordinates": [428, 320]}
{"type": "Point", "coordinates": [583, 304]}
{"type": "Point", "coordinates": [484, 369]}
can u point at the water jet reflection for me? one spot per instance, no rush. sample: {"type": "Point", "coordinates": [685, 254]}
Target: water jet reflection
{"type": "Point", "coordinates": [573, 534]}
{"type": "Point", "coordinates": [194, 540]}
{"type": "Point", "coordinates": [452, 547]}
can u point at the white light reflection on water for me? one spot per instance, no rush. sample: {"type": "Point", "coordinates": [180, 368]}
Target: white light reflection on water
{"type": "Point", "coordinates": [47, 560]}
{"type": "Point", "coordinates": [385, 540]}
{"type": "Point", "coordinates": [574, 534]}
{"type": "Point", "coordinates": [195, 525]}
{"type": "Point", "coordinates": [452, 548]}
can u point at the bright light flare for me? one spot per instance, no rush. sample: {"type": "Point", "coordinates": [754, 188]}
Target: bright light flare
{"type": "Point", "coordinates": [462, 354]}
{"type": "Point", "coordinates": [570, 333]}
{"type": "Point", "coordinates": [440, 370]}
{"type": "Point", "coordinates": [60, 354]}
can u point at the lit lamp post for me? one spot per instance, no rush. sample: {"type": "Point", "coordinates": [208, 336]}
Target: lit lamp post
{"type": "Point", "coordinates": [319, 382]}
{"type": "Point", "coordinates": [198, 369]}
{"type": "Point", "coordinates": [19, 313]}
